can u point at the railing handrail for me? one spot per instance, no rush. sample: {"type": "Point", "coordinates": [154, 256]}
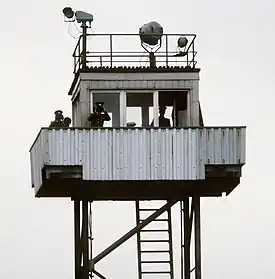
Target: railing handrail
{"type": "Point", "coordinates": [138, 128]}
{"type": "Point", "coordinates": [189, 51]}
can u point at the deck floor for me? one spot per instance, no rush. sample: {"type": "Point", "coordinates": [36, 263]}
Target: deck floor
{"type": "Point", "coordinates": [216, 183]}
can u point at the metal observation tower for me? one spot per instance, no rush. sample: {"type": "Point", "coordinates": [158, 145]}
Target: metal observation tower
{"type": "Point", "coordinates": [142, 156]}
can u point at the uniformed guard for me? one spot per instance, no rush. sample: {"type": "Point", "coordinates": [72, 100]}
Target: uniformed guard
{"type": "Point", "coordinates": [99, 115]}
{"type": "Point", "coordinates": [58, 122]}
{"type": "Point", "coordinates": [163, 121]}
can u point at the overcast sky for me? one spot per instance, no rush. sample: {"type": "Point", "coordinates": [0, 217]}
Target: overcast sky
{"type": "Point", "coordinates": [236, 54]}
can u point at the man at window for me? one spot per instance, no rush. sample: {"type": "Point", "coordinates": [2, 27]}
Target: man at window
{"type": "Point", "coordinates": [98, 116]}
{"type": "Point", "coordinates": [163, 121]}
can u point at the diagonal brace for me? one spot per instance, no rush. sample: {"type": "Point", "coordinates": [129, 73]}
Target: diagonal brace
{"type": "Point", "coordinates": [98, 274]}
{"type": "Point", "coordinates": [132, 232]}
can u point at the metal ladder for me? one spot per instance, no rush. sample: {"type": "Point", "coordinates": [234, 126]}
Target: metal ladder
{"type": "Point", "coordinates": [154, 243]}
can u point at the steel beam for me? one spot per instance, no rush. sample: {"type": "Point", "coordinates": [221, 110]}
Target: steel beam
{"type": "Point", "coordinates": [85, 240]}
{"type": "Point", "coordinates": [138, 243]}
{"type": "Point", "coordinates": [77, 244]}
{"type": "Point", "coordinates": [83, 266]}
{"type": "Point", "coordinates": [170, 242]}
{"type": "Point", "coordinates": [98, 274]}
{"type": "Point", "coordinates": [197, 238]}
{"type": "Point", "coordinates": [187, 230]}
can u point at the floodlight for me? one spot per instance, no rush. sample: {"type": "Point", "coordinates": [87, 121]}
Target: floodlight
{"type": "Point", "coordinates": [83, 17]}
{"type": "Point", "coordinates": [68, 12]}
{"type": "Point", "coordinates": [151, 33]}
{"type": "Point", "coordinates": [150, 36]}
{"type": "Point", "coordinates": [182, 42]}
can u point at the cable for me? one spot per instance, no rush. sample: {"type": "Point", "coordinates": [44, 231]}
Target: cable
{"type": "Point", "coordinates": [70, 32]}
{"type": "Point", "coordinates": [92, 33]}
{"type": "Point", "coordinates": [142, 55]}
{"type": "Point", "coordinates": [77, 28]}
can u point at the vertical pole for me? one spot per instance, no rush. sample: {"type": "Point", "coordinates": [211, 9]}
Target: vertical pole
{"type": "Point", "coordinates": [156, 107]}
{"type": "Point", "coordinates": [84, 45]}
{"type": "Point", "coordinates": [90, 231]}
{"type": "Point", "coordinates": [166, 50]}
{"type": "Point", "coordinates": [197, 238]}
{"type": "Point", "coordinates": [111, 50]}
{"type": "Point", "coordinates": [145, 115]}
{"type": "Point", "coordinates": [170, 243]}
{"type": "Point", "coordinates": [138, 242]}
{"type": "Point", "coordinates": [189, 108]}
{"type": "Point", "coordinates": [174, 114]}
{"type": "Point", "coordinates": [85, 240]}
{"type": "Point", "coordinates": [193, 54]}
{"type": "Point", "coordinates": [186, 239]}
{"type": "Point", "coordinates": [77, 239]}
{"type": "Point", "coordinates": [123, 108]}
{"type": "Point", "coordinates": [181, 239]}
{"type": "Point", "coordinates": [152, 59]}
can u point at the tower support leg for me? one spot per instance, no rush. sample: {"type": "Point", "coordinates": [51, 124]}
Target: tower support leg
{"type": "Point", "coordinates": [197, 238]}
{"type": "Point", "coordinates": [77, 243]}
{"type": "Point", "coordinates": [187, 217]}
{"type": "Point", "coordinates": [81, 240]}
{"type": "Point", "coordinates": [84, 266]}
{"type": "Point", "coordinates": [85, 240]}
{"type": "Point", "coordinates": [187, 234]}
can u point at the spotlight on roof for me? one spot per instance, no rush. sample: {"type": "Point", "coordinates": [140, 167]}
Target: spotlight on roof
{"type": "Point", "coordinates": [82, 17]}
{"type": "Point", "coordinates": [182, 42]}
{"type": "Point", "coordinates": [150, 36]}
{"type": "Point", "coordinates": [68, 12]}
{"type": "Point", "coordinates": [151, 33]}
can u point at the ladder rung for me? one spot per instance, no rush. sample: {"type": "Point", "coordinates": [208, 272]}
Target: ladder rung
{"type": "Point", "coordinates": [157, 220]}
{"type": "Point", "coordinates": [153, 262]}
{"type": "Point", "coordinates": [156, 272]}
{"type": "Point", "coordinates": [154, 240]}
{"type": "Point", "coordinates": [154, 230]}
{"type": "Point", "coordinates": [148, 209]}
{"type": "Point", "coordinates": [155, 251]}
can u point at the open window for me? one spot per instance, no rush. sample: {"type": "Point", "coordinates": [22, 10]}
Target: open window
{"type": "Point", "coordinates": [110, 102]}
{"type": "Point", "coordinates": [138, 104]}
{"type": "Point", "coordinates": [176, 106]}
{"type": "Point", "coordinates": [143, 109]}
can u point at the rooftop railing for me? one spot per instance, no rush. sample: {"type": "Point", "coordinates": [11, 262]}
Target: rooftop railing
{"type": "Point", "coordinates": [125, 50]}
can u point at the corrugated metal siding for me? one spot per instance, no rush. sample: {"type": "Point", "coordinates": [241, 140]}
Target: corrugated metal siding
{"type": "Point", "coordinates": [186, 154]}
{"type": "Point", "coordinates": [131, 155]}
{"type": "Point", "coordinates": [39, 157]}
{"type": "Point", "coordinates": [97, 155]}
{"type": "Point", "coordinates": [224, 145]}
{"type": "Point", "coordinates": [138, 154]}
{"type": "Point", "coordinates": [161, 163]}
{"type": "Point", "coordinates": [66, 147]}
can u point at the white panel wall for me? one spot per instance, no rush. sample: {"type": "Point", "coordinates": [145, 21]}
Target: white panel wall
{"type": "Point", "coordinates": [138, 154]}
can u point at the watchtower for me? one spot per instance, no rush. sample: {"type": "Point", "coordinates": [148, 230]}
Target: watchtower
{"type": "Point", "coordinates": [136, 155]}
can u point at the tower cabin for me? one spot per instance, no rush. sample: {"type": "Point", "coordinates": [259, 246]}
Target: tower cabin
{"type": "Point", "coordinates": [136, 155]}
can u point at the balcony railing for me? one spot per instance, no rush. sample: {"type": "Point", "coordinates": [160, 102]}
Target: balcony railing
{"type": "Point", "coordinates": [137, 154]}
{"type": "Point", "coordinates": [124, 50]}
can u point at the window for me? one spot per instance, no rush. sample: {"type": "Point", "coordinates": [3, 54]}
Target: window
{"type": "Point", "coordinates": [138, 105]}
{"type": "Point", "coordinates": [110, 102]}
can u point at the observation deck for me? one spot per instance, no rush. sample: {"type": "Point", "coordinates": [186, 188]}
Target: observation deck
{"type": "Point", "coordinates": [137, 163]}
{"type": "Point", "coordinates": [124, 53]}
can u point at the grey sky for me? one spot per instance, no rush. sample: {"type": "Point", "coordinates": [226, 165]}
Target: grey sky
{"type": "Point", "coordinates": [236, 54]}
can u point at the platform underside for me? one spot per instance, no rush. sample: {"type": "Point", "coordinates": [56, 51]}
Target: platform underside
{"type": "Point", "coordinates": [68, 183]}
